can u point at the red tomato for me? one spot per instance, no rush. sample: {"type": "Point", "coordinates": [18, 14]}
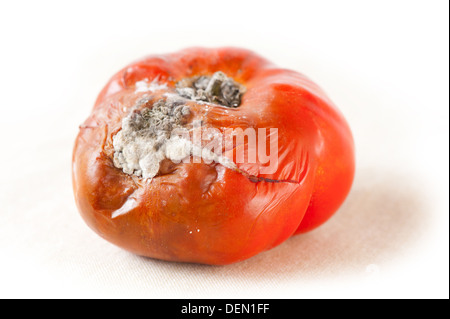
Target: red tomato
{"type": "Point", "coordinates": [212, 212]}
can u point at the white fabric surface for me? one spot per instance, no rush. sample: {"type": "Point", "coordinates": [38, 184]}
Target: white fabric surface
{"type": "Point", "coordinates": [385, 64]}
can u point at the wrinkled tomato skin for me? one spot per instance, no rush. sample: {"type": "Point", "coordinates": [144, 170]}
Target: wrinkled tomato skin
{"type": "Point", "coordinates": [206, 213]}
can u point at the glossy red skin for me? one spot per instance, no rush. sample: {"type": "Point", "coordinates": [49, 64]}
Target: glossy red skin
{"type": "Point", "coordinates": [208, 213]}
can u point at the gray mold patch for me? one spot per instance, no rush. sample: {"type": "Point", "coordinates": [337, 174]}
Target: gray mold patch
{"type": "Point", "coordinates": [141, 144]}
{"type": "Point", "coordinates": [218, 89]}
{"type": "Point", "coordinates": [147, 138]}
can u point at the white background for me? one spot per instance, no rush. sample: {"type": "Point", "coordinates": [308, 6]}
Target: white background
{"type": "Point", "coordinates": [384, 63]}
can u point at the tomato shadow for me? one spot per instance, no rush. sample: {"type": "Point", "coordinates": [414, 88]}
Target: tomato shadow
{"type": "Point", "coordinates": [381, 220]}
